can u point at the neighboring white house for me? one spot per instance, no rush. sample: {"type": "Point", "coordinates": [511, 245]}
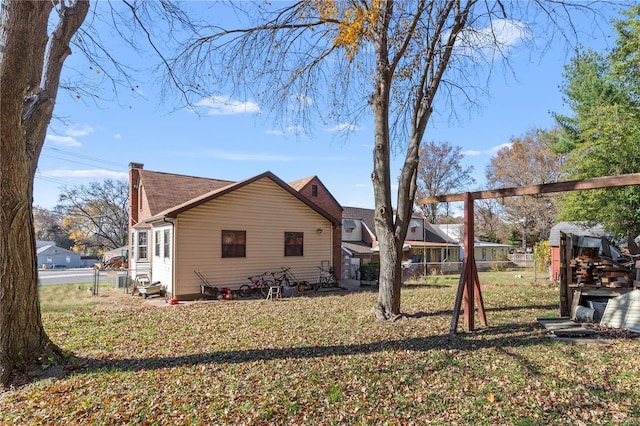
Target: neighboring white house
{"type": "Point", "coordinates": [483, 250]}
{"type": "Point", "coordinates": [423, 244]}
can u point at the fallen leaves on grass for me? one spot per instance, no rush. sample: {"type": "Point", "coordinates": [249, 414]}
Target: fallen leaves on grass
{"type": "Point", "coordinates": [322, 360]}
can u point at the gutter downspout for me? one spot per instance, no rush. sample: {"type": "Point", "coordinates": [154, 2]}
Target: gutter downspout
{"type": "Point", "coordinates": [424, 247]}
{"type": "Point", "coordinates": [173, 254]}
{"type": "Point", "coordinates": [331, 239]}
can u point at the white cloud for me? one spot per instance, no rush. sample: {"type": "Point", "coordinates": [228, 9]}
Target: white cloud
{"type": "Point", "coordinates": [223, 105]}
{"type": "Point", "coordinates": [77, 130]}
{"type": "Point", "coordinates": [275, 132]}
{"type": "Point", "coordinates": [499, 147]}
{"type": "Point", "coordinates": [343, 126]}
{"type": "Point", "coordinates": [295, 130]}
{"type": "Point", "coordinates": [117, 136]}
{"type": "Point", "coordinates": [506, 32]}
{"type": "Point", "coordinates": [502, 34]}
{"type": "Point", "coordinates": [490, 151]}
{"type": "Point", "coordinates": [85, 174]}
{"type": "Point", "coordinates": [70, 134]}
{"type": "Point", "coordinates": [62, 140]}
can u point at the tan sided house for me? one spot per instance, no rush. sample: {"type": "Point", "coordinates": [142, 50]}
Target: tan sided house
{"type": "Point", "coordinates": [227, 230]}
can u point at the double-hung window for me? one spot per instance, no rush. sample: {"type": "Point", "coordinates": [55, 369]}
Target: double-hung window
{"type": "Point", "coordinates": [143, 239]}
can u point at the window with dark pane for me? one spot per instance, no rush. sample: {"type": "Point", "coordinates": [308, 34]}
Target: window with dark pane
{"type": "Point", "coordinates": [234, 243]}
{"type": "Point", "coordinates": [293, 243]}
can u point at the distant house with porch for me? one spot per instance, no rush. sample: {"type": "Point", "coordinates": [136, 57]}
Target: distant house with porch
{"type": "Point", "coordinates": [483, 251]}
{"type": "Point", "coordinates": [423, 244]}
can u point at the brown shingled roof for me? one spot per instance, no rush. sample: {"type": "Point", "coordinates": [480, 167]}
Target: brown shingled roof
{"type": "Point", "coordinates": [170, 190]}
{"type": "Point", "coordinates": [357, 247]}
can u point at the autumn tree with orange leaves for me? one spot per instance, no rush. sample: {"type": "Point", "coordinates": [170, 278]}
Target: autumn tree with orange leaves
{"type": "Point", "coordinates": [525, 161]}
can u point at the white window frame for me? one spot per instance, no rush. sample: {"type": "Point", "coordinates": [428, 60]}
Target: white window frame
{"type": "Point", "coordinates": [167, 244]}
{"type": "Point", "coordinates": [156, 244]}
{"type": "Point", "coordinates": [143, 249]}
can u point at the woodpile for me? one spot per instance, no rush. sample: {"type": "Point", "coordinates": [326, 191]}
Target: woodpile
{"type": "Point", "coordinates": [602, 272]}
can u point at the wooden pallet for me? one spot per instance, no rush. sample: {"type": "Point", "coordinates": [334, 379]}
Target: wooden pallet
{"type": "Point", "coordinates": [565, 330]}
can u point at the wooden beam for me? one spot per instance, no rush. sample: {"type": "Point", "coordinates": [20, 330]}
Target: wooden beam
{"type": "Point", "coordinates": [470, 262]}
{"type": "Point", "coordinates": [547, 188]}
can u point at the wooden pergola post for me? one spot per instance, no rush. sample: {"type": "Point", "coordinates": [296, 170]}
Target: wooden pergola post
{"type": "Point", "coordinates": [469, 283]}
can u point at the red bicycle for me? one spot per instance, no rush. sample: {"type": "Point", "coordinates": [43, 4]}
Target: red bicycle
{"type": "Point", "coordinates": [258, 282]}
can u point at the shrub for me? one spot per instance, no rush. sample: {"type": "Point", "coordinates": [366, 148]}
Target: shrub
{"type": "Point", "coordinates": [502, 257]}
{"type": "Point", "coordinates": [498, 266]}
{"type": "Point", "coordinates": [369, 271]}
{"type": "Point", "coordinates": [542, 255]}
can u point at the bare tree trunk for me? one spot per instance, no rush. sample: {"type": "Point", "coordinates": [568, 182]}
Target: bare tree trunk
{"type": "Point", "coordinates": [30, 66]}
{"type": "Point", "coordinates": [388, 305]}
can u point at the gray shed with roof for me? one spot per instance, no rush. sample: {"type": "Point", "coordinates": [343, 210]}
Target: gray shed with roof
{"type": "Point", "coordinates": [575, 228]}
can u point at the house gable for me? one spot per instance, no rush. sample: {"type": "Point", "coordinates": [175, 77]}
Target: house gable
{"type": "Point", "coordinates": [263, 211]}
{"type": "Point", "coordinates": [173, 212]}
{"type": "Point", "coordinates": [53, 249]}
{"type": "Point", "coordinates": [365, 215]}
{"type": "Point", "coordinates": [313, 188]}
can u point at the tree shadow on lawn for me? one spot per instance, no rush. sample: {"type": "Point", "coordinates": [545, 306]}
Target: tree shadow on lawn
{"type": "Point", "coordinates": [443, 286]}
{"type": "Point", "coordinates": [449, 312]}
{"type": "Point", "coordinates": [516, 335]}
{"type": "Point", "coordinates": [500, 337]}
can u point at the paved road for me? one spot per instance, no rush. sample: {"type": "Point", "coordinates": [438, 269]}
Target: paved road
{"type": "Point", "coordinates": [72, 276]}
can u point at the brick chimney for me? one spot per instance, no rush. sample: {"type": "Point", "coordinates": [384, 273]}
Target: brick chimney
{"type": "Point", "coordinates": [134, 199]}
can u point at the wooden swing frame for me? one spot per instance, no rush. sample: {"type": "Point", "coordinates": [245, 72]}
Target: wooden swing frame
{"type": "Point", "coordinates": [469, 284]}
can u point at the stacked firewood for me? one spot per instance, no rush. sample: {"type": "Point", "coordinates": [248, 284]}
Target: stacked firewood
{"type": "Point", "coordinates": [604, 272]}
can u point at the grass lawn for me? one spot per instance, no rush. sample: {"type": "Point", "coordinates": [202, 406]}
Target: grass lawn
{"type": "Point", "coordinates": [324, 360]}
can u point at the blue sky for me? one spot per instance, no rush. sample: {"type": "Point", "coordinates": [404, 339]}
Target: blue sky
{"type": "Point", "coordinates": [233, 138]}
